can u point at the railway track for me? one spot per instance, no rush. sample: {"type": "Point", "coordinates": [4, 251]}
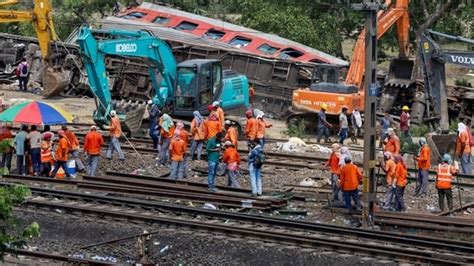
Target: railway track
{"type": "Point", "coordinates": [54, 258]}
{"type": "Point", "coordinates": [399, 247]}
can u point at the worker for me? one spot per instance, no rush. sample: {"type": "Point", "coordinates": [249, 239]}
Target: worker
{"type": "Point", "coordinates": [392, 142]}
{"type": "Point", "coordinates": [389, 168]}
{"type": "Point", "coordinates": [19, 142]}
{"type": "Point", "coordinates": [153, 113]}
{"type": "Point", "coordinates": [471, 138]}
{"type": "Point", "coordinates": [167, 129]}
{"type": "Point", "coordinates": [351, 177]}
{"type": "Point", "coordinates": [424, 164]}
{"type": "Point", "coordinates": [405, 123]}
{"type": "Point", "coordinates": [251, 93]}
{"type": "Point", "coordinates": [261, 126]}
{"type": "Point", "coordinates": [115, 131]}
{"type": "Point", "coordinates": [184, 135]}
{"type": "Point", "coordinates": [323, 124]}
{"type": "Point", "coordinates": [231, 134]}
{"type": "Point", "coordinates": [356, 121]}
{"type": "Point", "coordinates": [399, 183]}
{"type": "Point", "coordinates": [61, 155]}
{"type": "Point", "coordinates": [177, 150]}
{"type": "Point", "coordinates": [46, 156]}
{"type": "Point", "coordinates": [7, 147]}
{"type": "Point", "coordinates": [232, 160]}
{"type": "Point", "coordinates": [255, 161]}
{"type": "Point", "coordinates": [212, 125]}
{"type": "Point", "coordinates": [343, 126]}
{"type": "Point", "coordinates": [198, 132]}
{"type": "Point", "coordinates": [74, 148]}
{"type": "Point", "coordinates": [384, 124]}
{"type": "Point", "coordinates": [251, 127]}
{"type": "Point", "coordinates": [444, 177]}
{"type": "Point", "coordinates": [463, 148]}
{"type": "Point", "coordinates": [219, 111]}
{"type": "Point", "coordinates": [92, 144]}
{"type": "Point", "coordinates": [213, 149]}
{"type": "Point", "coordinates": [333, 164]}
{"type": "Point", "coordinates": [34, 138]}
{"type": "Point", "coordinates": [23, 73]}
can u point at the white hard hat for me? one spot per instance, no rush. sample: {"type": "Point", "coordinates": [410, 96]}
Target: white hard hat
{"type": "Point", "coordinates": [113, 113]}
{"type": "Point", "coordinates": [216, 103]}
{"type": "Point", "coordinates": [227, 122]}
{"type": "Point", "coordinates": [150, 101]}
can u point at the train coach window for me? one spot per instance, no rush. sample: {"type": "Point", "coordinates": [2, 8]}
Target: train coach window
{"type": "Point", "coordinates": [161, 20]}
{"type": "Point", "coordinates": [290, 52]}
{"type": "Point", "coordinates": [134, 15]}
{"type": "Point", "coordinates": [240, 42]}
{"type": "Point", "coordinates": [214, 34]}
{"type": "Point", "coordinates": [185, 25]}
{"type": "Point", "coordinates": [267, 49]}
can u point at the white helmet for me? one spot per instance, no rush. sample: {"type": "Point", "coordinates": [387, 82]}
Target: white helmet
{"type": "Point", "coordinates": [113, 113]}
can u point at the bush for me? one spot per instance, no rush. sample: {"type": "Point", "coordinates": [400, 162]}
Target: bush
{"type": "Point", "coordinates": [295, 130]}
{"type": "Point", "coordinates": [420, 131]}
{"type": "Point", "coordinates": [453, 125]}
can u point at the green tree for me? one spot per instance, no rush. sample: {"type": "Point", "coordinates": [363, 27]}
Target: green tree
{"type": "Point", "coordinates": [10, 237]}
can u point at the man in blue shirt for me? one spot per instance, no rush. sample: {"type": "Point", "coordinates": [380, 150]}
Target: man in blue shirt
{"type": "Point", "coordinates": [213, 148]}
{"type": "Point", "coordinates": [19, 141]}
{"type": "Point", "coordinates": [385, 123]}
{"type": "Point", "coordinates": [323, 124]}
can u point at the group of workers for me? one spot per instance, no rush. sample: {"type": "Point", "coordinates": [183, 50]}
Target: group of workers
{"type": "Point", "coordinates": [346, 177]}
{"type": "Point", "coordinates": [172, 142]}
{"type": "Point", "coordinates": [45, 153]}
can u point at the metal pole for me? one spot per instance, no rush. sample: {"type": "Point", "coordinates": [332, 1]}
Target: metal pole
{"type": "Point", "coordinates": [370, 9]}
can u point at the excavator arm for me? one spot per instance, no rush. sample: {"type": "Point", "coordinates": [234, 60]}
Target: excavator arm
{"type": "Point", "coordinates": [42, 20]}
{"type": "Point", "coordinates": [434, 59]}
{"type": "Point", "coordinates": [131, 44]}
{"type": "Point", "coordinates": [396, 13]}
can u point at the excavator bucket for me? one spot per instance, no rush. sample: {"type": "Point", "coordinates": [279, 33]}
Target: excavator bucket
{"type": "Point", "coordinates": [400, 76]}
{"type": "Point", "coordinates": [441, 144]}
{"type": "Point", "coordinates": [400, 73]}
{"type": "Point", "coordinates": [54, 82]}
{"type": "Point", "coordinates": [134, 118]}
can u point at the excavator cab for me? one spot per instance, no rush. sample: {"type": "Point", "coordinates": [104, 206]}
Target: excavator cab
{"type": "Point", "coordinates": [202, 81]}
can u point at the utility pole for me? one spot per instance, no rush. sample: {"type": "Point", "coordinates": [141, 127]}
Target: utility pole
{"type": "Point", "coordinates": [370, 9]}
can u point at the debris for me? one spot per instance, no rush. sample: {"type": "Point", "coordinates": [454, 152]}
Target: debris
{"type": "Point", "coordinates": [430, 208]}
{"type": "Point", "coordinates": [308, 182]}
{"type": "Point", "coordinates": [105, 258]}
{"type": "Point", "coordinates": [209, 206]}
{"type": "Point", "coordinates": [58, 211]}
{"type": "Point", "coordinates": [167, 247]}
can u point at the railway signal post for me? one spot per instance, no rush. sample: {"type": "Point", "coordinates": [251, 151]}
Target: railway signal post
{"type": "Point", "coordinates": [370, 8]}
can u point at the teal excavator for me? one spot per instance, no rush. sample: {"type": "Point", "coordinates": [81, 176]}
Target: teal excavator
{"type": "Point", "coordinates": [179, 89]}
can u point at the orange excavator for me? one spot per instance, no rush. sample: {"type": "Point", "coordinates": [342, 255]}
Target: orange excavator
{"type": "Point", "coordinates": [350, 94]}
{"type": "Point", "coordinates": [42, 19]}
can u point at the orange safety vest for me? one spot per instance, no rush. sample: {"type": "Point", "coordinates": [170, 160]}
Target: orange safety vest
{"type": "Point", "coordinates": [444, 178]}
{"type": "Point", "coordinates": [46, 156]}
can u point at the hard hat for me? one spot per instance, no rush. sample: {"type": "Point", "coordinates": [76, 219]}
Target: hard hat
{"type": "Point", "coordinates": [387, 154]}
{"type": "Point", "coordinates": [47, 135]}
{"type": "Point", "coordinates": [422, 141]}
{"type": "Point", "coordinates": [324, 106]}
{"type": "Point", "coordinates": [447, 158]}
{"type": "Point", "coordinates": [405, 108]}
{"type": "Point", "coordinates": [336, 146]}
{"type": "Point", "coordinates": [210, 107]}
{"type": "Point", "coordinates": [113, 113]}
{"type": "Point", "coordinates": [228, 143]}
{"type": "Point", "coordinates": [390, 131]}
{"type": "Point", "coordinates": [227, 122]}
{"type": "Point", "coordinates": [93, 127]}
{"type": "Point", "coordinates": [61, 133]}
{"type": "Point", "coordinates": [150, 102]}
{"type": "Point", "coordinates": [216, 103]}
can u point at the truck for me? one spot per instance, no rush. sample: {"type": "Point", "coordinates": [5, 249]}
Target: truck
{"type": "Point", "coordinates": [178, 89]}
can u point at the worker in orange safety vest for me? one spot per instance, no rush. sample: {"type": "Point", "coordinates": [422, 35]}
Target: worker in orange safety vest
{"type": "Point", "coordinates": [444, 177]}
{"type": "Point", "coordinates": [251, 128]}
{"type": "Point", "coordinates": [389, 168]}
{"type": "Point", "coordinates": [231, 134]}
{"type": "Point", "coordinates": [424, 165]}
{"type": "Point", "coordinates": [351, 177]}
{"type": "Point", "coordinates": [333, 164]}
{"type": "Point", "coordinates": [392, 142]}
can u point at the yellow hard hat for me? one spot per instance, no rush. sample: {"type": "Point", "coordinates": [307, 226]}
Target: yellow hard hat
{"type": "Point", "coordinates": [405, 108]}
{"type": "Point", "coordinates": [324, 106]}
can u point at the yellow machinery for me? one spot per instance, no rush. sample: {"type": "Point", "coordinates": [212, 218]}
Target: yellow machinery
{"type": "Point", "coordinates": [41, 17]}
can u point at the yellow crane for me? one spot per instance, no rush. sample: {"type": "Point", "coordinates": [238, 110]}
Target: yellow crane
{"type": "Point", "coordinates": [42, 18]}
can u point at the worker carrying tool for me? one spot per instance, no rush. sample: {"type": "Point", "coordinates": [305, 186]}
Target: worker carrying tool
{"type": "Point", "coordinates": [444, 177]}
{"type": "Point", "coordinates": [424, 164]}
